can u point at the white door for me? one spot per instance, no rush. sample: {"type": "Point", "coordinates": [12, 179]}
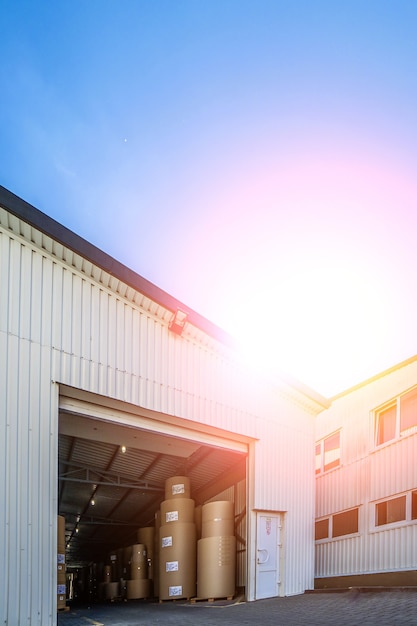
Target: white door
{"type": "Point", "coordinates": [267, 555]}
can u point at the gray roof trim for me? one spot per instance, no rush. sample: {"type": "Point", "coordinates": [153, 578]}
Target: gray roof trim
{"type": "Point", "coordinates": [50, 227]}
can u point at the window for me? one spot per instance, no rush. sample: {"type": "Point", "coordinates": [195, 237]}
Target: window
{"type": "Point", "coordinates": [408, 411]}
{"type": "Point", "coordinates": [337, 525]}
{"type": "Point", "coordinates": [328, 453]}
{"type": "Point", "coordinates": [385, 424]}
{"type": "Point", "coordinates": [397, 419]}
{"type": "Point", "coordinates": [390, 511]}
{"type": "Point", "coordinates": [322, 529]}
{"type": "Point", "coordinates": [345, 523]}
{"type": "Point", "coordinates": [414, 505]}
{"type": "Point", "coordinates": [332, 451]}
{"type": "Point", "coordinates": [318, 458]}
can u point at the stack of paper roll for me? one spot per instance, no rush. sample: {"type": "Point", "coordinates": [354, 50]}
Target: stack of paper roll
{"type": "Point", "coordinates": [139, 584]}
{"type": "Point", "coordinates": [127, 557]}
{"type": "Point", "coordinates": [146, 536]}
{"type": "Point", "coordinates": [61, 571]}
{"type": "Point", "coordinates": [216, 551]}
{"type": "Point", "coordinates": [177, 487]}
{"type": "Point", "coordinates": [110, 588]}
{"type": "Point", "coordinates": [198, 519]}
{"type": "Point", "coordinates": [177, 541]}
{"type": "Point", "coordinates": [156, 553]}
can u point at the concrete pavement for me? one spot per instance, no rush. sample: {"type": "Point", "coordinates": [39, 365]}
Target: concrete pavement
{"type": "Point", "coordinates": [353, 607]}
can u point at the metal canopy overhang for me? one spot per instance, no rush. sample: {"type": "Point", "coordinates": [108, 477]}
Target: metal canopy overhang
{"type": "Point", "coordinates": [120, 457]}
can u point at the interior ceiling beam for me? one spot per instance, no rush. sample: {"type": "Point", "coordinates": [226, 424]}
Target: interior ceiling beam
{"type": "Point", "coordinates": [103, 483]}
{"type": "Point", "coordinates": [92, 476]}
{"type": "Point", "coordinates": [89, 520]}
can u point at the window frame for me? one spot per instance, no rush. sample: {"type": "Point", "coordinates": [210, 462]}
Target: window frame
{"type": "Point", "coordinates": [329, 518]}
{"type": "Point", "coordinates": [396, 402]}
{"type": "Point", "coordinates": [320, 443]}
{"type": "Point", "coordinates": [410, 509]}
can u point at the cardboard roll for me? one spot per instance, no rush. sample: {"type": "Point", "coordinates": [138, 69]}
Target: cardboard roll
{"type": "Point", "coordinates": [218, 528]}
{"type": "Point", "coordinates": [60, 557]}
{"type": "Point", "coordinates": [137, 589]}
{"type": "Point", "coordinates": [177, 585]}
{"type": "Point", "coordinates": [107, 573]}
{"type": "Point", "coordinates": [139, 562]}
{"type": "Point", "coordinates": [157, 519]}
{"type": "Point", "coordinates": [61, 577]}
{"type": "Point", "coordinates": [222, 509]}
{"type": "Point", "coordinates": [198, 519]}
{"type": "Point", "coordinates": [174, 539]}
{"type": "Point", "coordinates": [111, 590]}
{"type": "Point", "coordinates": [138, 552]}
{"type": "Point", "coordinates": [177, 510]}
{"type": "Point", "coordinates": [61, 568]}
{"type": "Point", "coordinates": [146, 536]}
{"type": "Point", "coordinates": [127, 555]}
{"type": "Point", "coordinates": [217, 519]}
{"type": "Point", "coordinates": [61, 532]}
{"type": "Point", "coordinates": [101, 591]}
{"type": "Point", "coordinates": [216, 567]}
{"type": "Point", "coordinates": [61, 595]}
{"type": "Point", "coordinates": [177, 487]}
{"type": "Point", "coordinates": [61, 601]}
{"type": "Point", "coordinates": [138, 571]}
{"type": "Point", "coordinates": [177, 561]}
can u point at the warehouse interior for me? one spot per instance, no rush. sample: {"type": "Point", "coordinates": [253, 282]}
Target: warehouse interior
{"type": "Point", "coordinates": [111, 475]}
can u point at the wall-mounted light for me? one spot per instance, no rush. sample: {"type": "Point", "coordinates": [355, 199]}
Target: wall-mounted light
{"type": "Point", "coordinates": [178, 322]}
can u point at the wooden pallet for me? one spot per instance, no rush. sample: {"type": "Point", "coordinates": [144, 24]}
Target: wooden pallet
{"type": "Point", "coordinates": [63, 609]}
{"type": "Point", "coordinates": [194, 600]}
{"type": "Point", "coordinates": [182, 599]}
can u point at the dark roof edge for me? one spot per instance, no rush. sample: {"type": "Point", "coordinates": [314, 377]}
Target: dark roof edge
{"type": "Point", "coordinates": [50, 227]}
{"type": "Point", "coordinates": [372, 379]}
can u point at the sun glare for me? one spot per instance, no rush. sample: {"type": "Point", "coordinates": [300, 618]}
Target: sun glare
{"type": "Point", "coordinates": [319, 324]}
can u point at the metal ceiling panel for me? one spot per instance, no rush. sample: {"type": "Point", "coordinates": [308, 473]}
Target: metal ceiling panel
{"type": "Point", "coordinates": [127, 485]}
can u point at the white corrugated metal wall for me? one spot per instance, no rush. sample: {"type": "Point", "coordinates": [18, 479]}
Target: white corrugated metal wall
{"type": "Point", "coordinates": [62, 320]}
{"type": "Point", "coordinates": [367, 474]}
{"type": "Point", "coordinates": [284, 482]}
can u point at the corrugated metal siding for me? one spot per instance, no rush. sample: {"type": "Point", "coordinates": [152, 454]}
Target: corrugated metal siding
{"type": "Point", "coordinates": [28, 480]}
{"type": "Point", "coordinates": [109, 347]}
{"type": "Point", "coordinates": [281, 484]}
{"type": "Point", "coordinates": [367, 475]}
{"type": "Point", "coordinates": [58, 325]}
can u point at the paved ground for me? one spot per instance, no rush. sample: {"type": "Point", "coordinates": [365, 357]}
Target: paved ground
{"type": "Point", "coordinates": [349, 608]}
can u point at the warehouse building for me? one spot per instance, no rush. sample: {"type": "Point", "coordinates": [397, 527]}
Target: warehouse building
{"type": "Point", "coordinates": [112, 392]}
{"type": "Point", "coordinates": [366, 483]}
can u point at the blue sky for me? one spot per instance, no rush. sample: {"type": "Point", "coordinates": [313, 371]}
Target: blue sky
{"type": "Point", "coordinates": [257, 160]}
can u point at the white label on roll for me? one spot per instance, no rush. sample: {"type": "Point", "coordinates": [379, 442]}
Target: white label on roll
{"type": "Point", "coordinates": [171, 566]}
{"type": "Point", "coordinates": [166, 542]}
{"type": "Point", "coordinates": [61, 590]}
{"type": "Point", "coordinates": [171, 516]}
{"type": "Point", "coordinates": [113, 557]}
{"type": "Point", "coordinates": [61, 558]}
{"type": "Point", "coordinates": [175, 591]}
{"type": "Point", "coordinates": [176, 489]}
